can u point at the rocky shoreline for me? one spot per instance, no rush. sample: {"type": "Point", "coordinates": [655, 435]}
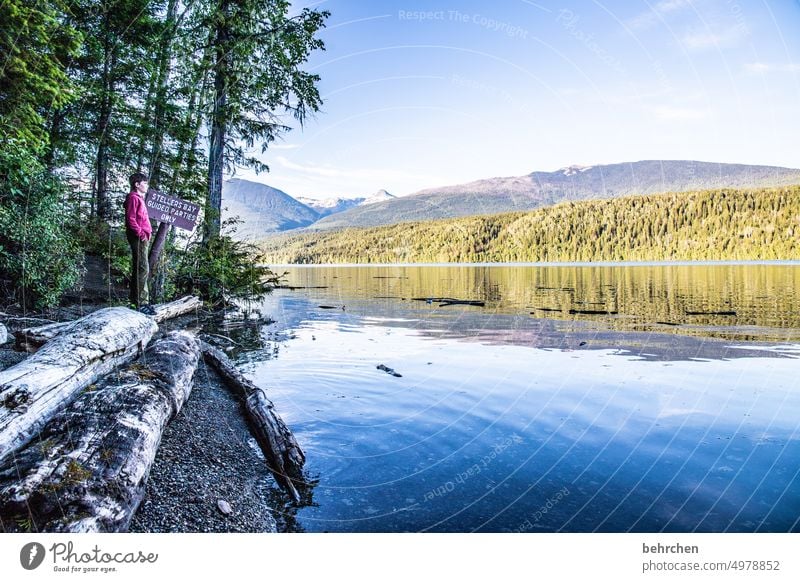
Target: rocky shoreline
{"type": "Point", "coordinates": [209, 475]}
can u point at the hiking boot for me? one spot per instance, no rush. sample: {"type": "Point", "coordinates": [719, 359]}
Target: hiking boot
{"type": "Point", "coordinates": [147, 309]}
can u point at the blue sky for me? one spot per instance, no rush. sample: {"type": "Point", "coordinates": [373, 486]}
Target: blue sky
{"type": "Point", "coordinates": [423, 94]}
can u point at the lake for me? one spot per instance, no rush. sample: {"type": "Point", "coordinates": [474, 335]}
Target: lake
{"type": "Point", "coordinates": [580, 398]}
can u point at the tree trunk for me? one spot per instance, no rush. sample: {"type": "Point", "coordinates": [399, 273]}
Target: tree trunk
{"type": "Point", "coordinates": [154, 257]}
{"type": "Point", "coordinates": [103, 123]}
{"type": "Point", "coordinates": [88, 469]}
{"type": "Point", "coordinates": [159, 126]}
{"type": "Point", "coordinates": [32, 338]}
{"type": "Point", "coordinates": [285, 458]}
{"type": "Point", "coordinates": [37, 388]}
{"type": "Point", "coordinates": [186, 159]}
{"type": "Point", "coordinates": [219, 124]}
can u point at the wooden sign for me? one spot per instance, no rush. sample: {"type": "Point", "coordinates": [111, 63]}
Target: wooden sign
{"type": "Point", "coordinates": [172, 211]}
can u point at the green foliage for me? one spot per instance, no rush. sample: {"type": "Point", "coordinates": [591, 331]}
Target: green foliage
{"type": "Point", "coordinates": [259, 52]}
{"type": "Point", "coordinates": [39, 256]}
{"type": "Point", "coordinates": [222, 270]}
{"type": "Point", "coordinates": [33, 41]}
{"type": "Point", "coordinates": [709, 225]}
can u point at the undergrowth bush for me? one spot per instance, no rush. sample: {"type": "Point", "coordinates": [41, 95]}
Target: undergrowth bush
{"type": "Point", "coordinates": [39, 256]}
{"type": "Point", "coordinates": [223, 270]}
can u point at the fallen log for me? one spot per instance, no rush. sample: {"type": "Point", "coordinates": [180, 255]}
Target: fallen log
{"type": "Point", "coordinates": [3, 334]}
{"type": "Point", "coordinates": [285, 458]}
{"type": "Point", "coordinates": [35, 389]}
{"type": "Point", "coordinates": [87, 470]}
{"type": "Point", "coordinates": [32, 338]}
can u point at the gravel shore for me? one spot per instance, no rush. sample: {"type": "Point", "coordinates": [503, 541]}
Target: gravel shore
{"type": "Point", "coordinates": [208, 460]}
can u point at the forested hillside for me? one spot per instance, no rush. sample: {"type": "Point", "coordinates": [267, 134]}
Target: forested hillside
{"type": "Point", "coordinates": [706, 225]}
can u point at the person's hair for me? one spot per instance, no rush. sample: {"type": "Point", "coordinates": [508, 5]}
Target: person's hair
{"type": "Point", "coordinates": [136, 178]}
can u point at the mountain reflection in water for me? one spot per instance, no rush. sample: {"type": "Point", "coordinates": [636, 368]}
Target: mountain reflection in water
{"type": "Point", "coordinates": [510, 418]}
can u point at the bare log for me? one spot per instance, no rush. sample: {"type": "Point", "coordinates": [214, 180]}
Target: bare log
{"type": "Point", "coordinates": [88, 469]}
{"type": "Point", "coordinates": [32, 338]}
{"type": "Point", "coordinates": [285, 458]}
{"type": "Point", "coordinates": [175, 308]}
{"type": "Point", "coordinates": [35, 389]}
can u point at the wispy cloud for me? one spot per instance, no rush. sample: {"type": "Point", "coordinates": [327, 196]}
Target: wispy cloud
{"type": "Point", "coordinates": [335, 172]}
{"type": "Point", "coordinates": [656, 13]}
{"type": "Point", "coordinates": [697, 40]}
{"type": "Point", "coordinates": [772, 67]}
{"type": "Point", "coordinates": [284, 146]}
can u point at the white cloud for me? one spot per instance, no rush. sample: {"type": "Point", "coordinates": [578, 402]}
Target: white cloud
{"type": "Point", "coordinates": [772, 67]}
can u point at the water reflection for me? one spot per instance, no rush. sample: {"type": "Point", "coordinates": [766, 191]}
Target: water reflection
{"type": "Point", "coordinates": [503, 421]}
{"type": "Point", "coordinates": [735, 301]}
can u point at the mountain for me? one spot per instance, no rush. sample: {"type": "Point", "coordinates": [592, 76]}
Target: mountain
{"type": "Point", "coordinates": [574, 183]}
{"type": "Point", "coordinates": [263, 209]}
{"type": "Point", "coordinates": [379, 196]}
{"type": "Point", "coordinates": [330, 205]}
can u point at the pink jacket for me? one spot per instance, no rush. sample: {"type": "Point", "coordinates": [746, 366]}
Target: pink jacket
{"type": "Point", "coordinates": [136, 218]}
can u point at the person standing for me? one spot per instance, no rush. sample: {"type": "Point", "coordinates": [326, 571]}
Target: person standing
{"type": "Point", "coordinates": [138, 231]}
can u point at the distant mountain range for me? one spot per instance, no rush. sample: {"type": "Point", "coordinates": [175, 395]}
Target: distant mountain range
{"type": "Point", "coordinates": [267, 210]}
{"type": "Point", "coordinates": [330, 205]}
{"type": "Point", "coordinates": [264, 210]}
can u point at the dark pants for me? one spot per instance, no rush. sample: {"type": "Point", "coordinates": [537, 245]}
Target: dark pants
{"type": "Point", "coordinates": [139, 270]}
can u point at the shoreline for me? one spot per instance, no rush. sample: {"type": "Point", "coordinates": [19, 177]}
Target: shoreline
{"type": "Point", "coordinates": [677, 263]}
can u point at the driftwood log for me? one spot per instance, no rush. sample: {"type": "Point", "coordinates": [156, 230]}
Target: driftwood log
{"type": "Point", "coordinates": [285, 458]}
{"type": "Point", "coordinates": [175, 308]}
{"type": "Point", "coordinates": [32, 338]}
{"type": "Point", "coordinates": [35, 389]}
{"type": "Point", "coordinates": [87, 470]}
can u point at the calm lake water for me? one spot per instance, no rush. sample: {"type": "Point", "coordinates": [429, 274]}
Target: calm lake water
{"type": "Point", "coordinates": [577, 398]}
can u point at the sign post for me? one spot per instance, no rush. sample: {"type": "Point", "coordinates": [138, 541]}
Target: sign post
{"type": "Point", "coordinates": [169, 211]}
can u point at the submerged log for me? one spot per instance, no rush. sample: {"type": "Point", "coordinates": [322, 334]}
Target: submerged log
{"type": "Point", "coordinates": [444, 301]}
{"type": "Point", "coordinates": [35, 389]}
{"type": "Point", "coordinates": [711, 313]}
{"type": "Point", "coordinates": [87, 470]}
{"type": "Point", "coordinates": [32, 338]}
{"type": "Point", "coordinates": [284, 457]}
